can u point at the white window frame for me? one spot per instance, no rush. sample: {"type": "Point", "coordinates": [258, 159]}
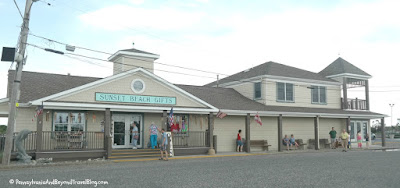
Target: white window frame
{"type": "Point", "coordinates": [318, 88]}
{"type": "Point", "coordinates": [255, 96]}
{"type": "Point", "coordinates": [70, 123]}
{"type": "Point", "coordinates": [285, 92]}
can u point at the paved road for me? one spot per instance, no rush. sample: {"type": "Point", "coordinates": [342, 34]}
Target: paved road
{"type": "Point", "coordinates": [323, 169]}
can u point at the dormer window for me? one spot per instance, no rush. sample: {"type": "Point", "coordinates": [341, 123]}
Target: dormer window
{"type": "Point", "coordinates": [257, 90]}
{"type": "Point", "coordinates": [285, 92]}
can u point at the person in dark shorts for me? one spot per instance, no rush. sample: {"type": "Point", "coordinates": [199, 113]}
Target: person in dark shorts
{"type": "Point", "coordinates": [332, 133]}
{"type": "Point", "coordinates": [164, 144]}
{"type": "Point", "coordinates": [239, 141]}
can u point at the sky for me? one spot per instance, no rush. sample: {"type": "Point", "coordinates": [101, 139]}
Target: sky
{"type": "Point", "coordinates": [224, 37]}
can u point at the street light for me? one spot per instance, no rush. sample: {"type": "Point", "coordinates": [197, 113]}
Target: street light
{"type": "Point", "coordinates": [391, 113]}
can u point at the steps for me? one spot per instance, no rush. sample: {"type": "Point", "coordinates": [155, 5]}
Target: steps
{"type": "Point", "coordinates": [124, 154]}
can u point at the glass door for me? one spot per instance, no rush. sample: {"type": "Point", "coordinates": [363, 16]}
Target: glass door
{"type": "Point", "coordinates": [137, 119]}
{"type": "Point", "coordinates": [122, 130]}
{"type": "Point", "coordinates": [358, 126]}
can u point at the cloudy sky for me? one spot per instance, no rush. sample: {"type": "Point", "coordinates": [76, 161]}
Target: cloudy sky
{"type": "Point", "coordinates": [224, 36]}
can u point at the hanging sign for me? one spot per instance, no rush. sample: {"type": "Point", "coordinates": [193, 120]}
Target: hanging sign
{"type": "Point", "coordinates": [109, 97]}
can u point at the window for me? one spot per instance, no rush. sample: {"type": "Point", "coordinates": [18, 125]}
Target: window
{"type": "Point", "coordinates": [257, 90]}
{"type": "Point", "coordinates": [318, 94]}
{"type": "Point", "coordinates": [138, 86]}
{"type": "Point", "coordinates": [285, 92]}
{"type": "Point", "coordinates": [69, 121]}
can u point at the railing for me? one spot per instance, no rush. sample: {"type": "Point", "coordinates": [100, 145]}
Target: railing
{"type": "Point", "coordinates": [60, 140]}
{"type": "Point", "coordinates": [354, 104]}
{"type": "Point", "coordinates": [190, 139]}
{"type": "Point", "coordinates": [29, 143]}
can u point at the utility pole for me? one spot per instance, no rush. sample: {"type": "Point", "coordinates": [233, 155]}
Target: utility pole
{"type": "Point", "coordinates": [14, 97]}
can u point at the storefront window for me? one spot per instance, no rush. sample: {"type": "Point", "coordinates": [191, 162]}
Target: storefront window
{"type": "Point", "coordinates": [180, 124]}
{"type": "Point", "coordinates": [69, 121]}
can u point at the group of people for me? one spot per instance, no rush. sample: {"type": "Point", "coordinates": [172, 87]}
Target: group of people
{"type": "Point", "coordinates": [153, 131]}
{"type": "Point", "coordinates": [345, 139]}
{"type": "Point", "coordinates": [288, 142]}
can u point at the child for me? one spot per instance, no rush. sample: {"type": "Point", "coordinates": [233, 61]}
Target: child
{"type": "Point", "coordinates": [239, 141]}
{"type": "Point", "coordinates": [359, 139]}
{"type": "Point", "coordinates": [293, 141]}
{"type": "Point", "coordinates": [286, 142]}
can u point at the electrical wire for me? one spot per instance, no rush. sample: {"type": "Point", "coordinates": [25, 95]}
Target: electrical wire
{"type": "Point", "coordinates": [18, 9]}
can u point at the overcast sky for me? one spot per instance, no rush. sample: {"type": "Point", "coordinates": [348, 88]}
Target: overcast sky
{"type": "Point", "coordinates": [224, 36]}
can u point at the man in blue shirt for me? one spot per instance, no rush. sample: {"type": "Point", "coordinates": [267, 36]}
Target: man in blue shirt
{"type": "Point", "coordinates": [164, 144]}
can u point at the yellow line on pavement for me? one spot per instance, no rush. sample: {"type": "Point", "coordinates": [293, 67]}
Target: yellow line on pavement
{"type": "Point", "coordinates": [193, 157]}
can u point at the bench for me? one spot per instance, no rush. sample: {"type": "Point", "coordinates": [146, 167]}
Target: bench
{"type": "Point", "coordinates": [323, 143]}
{"type": "Point", "coordinates": [299, 142]}
{"type": "Point", "coordinates": [257, 143]}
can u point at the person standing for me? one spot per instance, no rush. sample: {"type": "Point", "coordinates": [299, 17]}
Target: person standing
{"type": "Point", "coordinates": [164, 144]}
{"type": "Point", "coordinates": [359, 139]}
{"type": "Point", "coordinates": [135, 136]}
{"type": "Point", "coordinates": [332, 133]}
{"type": "Point", "coordinates": [153, 134]}
{"type": "Point", "coordinates": [239, 141]}
{"type": "Point", "coordinates": [345, 138]}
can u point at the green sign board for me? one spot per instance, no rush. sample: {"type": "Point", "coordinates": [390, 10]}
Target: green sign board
{"type": "Point", "coordinates": [110, 97]}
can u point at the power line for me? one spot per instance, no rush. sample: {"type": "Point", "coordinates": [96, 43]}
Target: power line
{"type": "Point", "coordinates": [18, 9]}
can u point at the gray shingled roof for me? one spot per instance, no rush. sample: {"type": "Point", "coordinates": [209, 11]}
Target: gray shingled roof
{"type": "Point", "coordinates": [274, 69]}
{"type": "Point", "coordinates": [36, 85]}
{"type": "Point", "coordinates": [340, 66]}
{"type": "Point", "coordinates": [137, 51]}
{"type": "Point", "coordinates": [230, 99]}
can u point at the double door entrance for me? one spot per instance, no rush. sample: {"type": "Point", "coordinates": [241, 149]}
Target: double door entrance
{"type": "Point", "coordinates": [358, 126]}
{"type": "Point", "coordinates": [122, 130]}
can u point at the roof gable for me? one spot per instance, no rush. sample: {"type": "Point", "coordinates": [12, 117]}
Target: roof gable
{"type": "Point", "coordinates": [272, 69]}
{"type": "Point", "coordinates": [341, 66]}
{"type": "Point", "coordinates": [35, 85]}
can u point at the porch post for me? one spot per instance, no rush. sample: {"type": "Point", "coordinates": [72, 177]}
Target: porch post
{"type": "Point", "coordinates": [383, 132]}
{"type": "Point", "coordinates": [345, 93]}
{"type": "Point", "coordinates": [247, 121]}
{"type": "Point", "coordinates": [107, 132]}
{"type": "Point", "coordinates": [39, 132]}
{"type": "Point", "coordinates": [316, 132]}
{"type": "Point", "coordinates": [211, 151]}
{"type": "Point", "coordinates": [280, 132]}
{"type": "Point", "coordinates": [367, 94]}
{"type": "Point", "coordinates": [347, 124]}
{"type": "Point", "coordinates": [164, 120]}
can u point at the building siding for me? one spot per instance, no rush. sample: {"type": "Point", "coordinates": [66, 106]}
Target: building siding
{"type": "Point", "coordinates": [302, 96]}
{"type": "Point", "coordinates": [123, 86]}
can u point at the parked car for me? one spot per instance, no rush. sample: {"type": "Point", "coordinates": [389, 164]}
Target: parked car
{"type": "Point", "coordinates": [373, 136]}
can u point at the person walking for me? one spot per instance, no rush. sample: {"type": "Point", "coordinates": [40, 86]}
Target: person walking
{"type": "Point", "coordinates": [239, 141]}
{"type": "Point", "coordinates": [367, 140]}
{"type": "Point", "coordinates": [164, 144]}
{"type": "Point", "coordinates": [332, 133]}
{"type": "Point", "coordinates": [344, 138]}
{"type": "Point", "coordinates": [153, 134]}
{"type": "Point", "coordinates": [359, 139]}
{"type": "Point", "coordinates": [135, 135]}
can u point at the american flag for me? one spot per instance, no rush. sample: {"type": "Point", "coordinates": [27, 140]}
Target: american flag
{"type": "Point", "coordinates": [171, 116]}
{"type": "Point", "coordinates": [39, 110]}
{"type": "Point", "coordinates": [257, 119]}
